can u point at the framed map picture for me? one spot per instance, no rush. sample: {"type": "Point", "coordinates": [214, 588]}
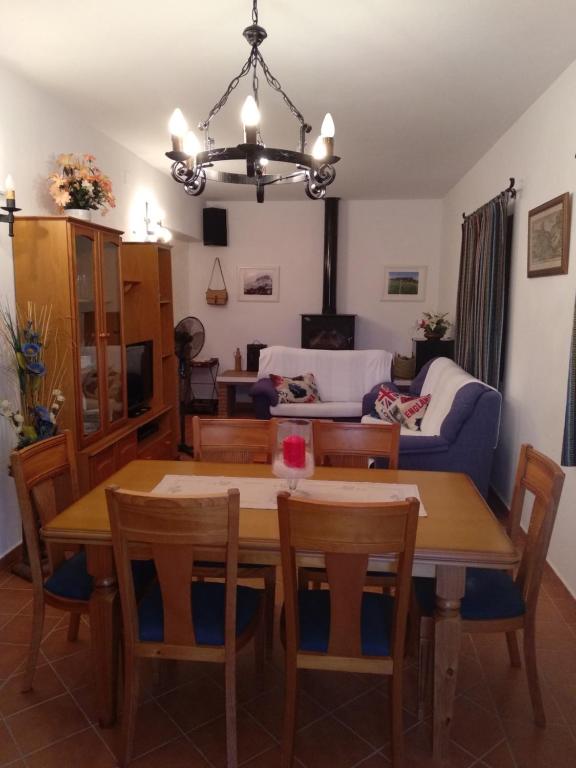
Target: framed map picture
{"type": "Point", "coordinates": [549, 237]}
{"type": "Point", "coordinates": [404, 284]}
{"type": "Point", "coordinates": [258, 283]}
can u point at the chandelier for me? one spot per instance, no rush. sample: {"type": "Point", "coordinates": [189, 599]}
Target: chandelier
{"type": "Point", "coordinates": [193, 166]}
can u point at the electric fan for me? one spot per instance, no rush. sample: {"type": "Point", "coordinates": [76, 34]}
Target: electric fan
{"type": "Point", "coordinates": [189, 338]}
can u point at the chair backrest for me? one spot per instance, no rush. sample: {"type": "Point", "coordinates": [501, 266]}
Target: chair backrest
{"type": "Point", "coordinates": [174, 531]}
{"type": "Point", "coordinates": [346, 534]}
{"type": "Point", "coordinates": [238, 441]}
{"type": "Point", "coordinates": [544, 479]}
{"type": "Point", "coordinates": [346, 444]}
{"type": "Point", "coordinates": [46, 480]}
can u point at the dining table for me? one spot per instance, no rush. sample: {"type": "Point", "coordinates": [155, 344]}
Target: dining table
{"type": "Point", "coordinates": [458, 531]}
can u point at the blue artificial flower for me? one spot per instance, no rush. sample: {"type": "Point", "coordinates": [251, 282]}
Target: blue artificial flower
{"type": "Point", "coordinates": [38, 369]}
{"type": "Point", "coordinates": [42, 413]}
{"type": "Point", "coordinates": [30, 350]}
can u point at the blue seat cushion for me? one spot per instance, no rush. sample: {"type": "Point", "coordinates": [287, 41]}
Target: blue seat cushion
{"type": "Point", "coordinates": [208, 604]}
{"type": "Point", "coordinates": [72, 581]}
{"type": "Point", "coordinates": [489, 595]}
{"type": "Point", "coordinates": [376, 622]}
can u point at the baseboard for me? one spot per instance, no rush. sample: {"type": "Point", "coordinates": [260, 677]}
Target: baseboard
{"type": "Point", "coordinates": [11, 557]}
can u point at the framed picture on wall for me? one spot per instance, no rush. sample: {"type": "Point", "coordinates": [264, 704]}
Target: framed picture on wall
{"type": "Point", "coordinates": [549, 237]}
{"type": "Point", "coordinates": [258, 283]}
{"type": "Point", "coordinates": [404, 284]}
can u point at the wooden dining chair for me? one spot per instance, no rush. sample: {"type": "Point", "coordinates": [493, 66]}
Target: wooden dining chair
{"type": "Point", "coordinates": [178, 618]}
{"type": "Point", "coordinates": [239, 441]}
{"type": "Point", "coordinates": [344, 628]}
{"type": "Point", "coordinates": [348, 444]}
{"type": "Point", "coordinates": [498, 601]}
{"type": "Point", "coordinates": [234, 441]}
{"type": "Point", "coordinates": [46, 480]}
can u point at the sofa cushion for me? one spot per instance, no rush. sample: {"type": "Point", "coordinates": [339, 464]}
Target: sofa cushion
{"type": "Point", "coordinates": [341, 375]}
{"type": "Point", "coordinates": [319, 410]}
{"type": "Point", "coordinates": [393, 406]}
{"type": "Point", "coordinates": [300, 389]}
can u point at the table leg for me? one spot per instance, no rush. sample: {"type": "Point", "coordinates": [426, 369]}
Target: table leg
{"type": "Point", "coordinates": [450, 584]}
{"type": "Point", "coordinates": [104, 625]}
{"type": "Point", "coordinates": [223, 401]}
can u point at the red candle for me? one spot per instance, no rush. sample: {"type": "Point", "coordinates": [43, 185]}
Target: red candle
{"type": "Point", "coordinates": [294, 451]}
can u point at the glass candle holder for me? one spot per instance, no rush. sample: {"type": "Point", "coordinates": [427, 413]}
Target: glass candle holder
{"type": "Point", "coordinates": [294, 452]}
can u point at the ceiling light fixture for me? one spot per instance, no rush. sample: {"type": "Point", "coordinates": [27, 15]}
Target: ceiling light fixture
{"type": "Point", "coordinates": [192, 166]}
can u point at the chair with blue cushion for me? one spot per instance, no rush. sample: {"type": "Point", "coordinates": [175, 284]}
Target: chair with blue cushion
{"type": "Point", "coordinates": [178, 618]}
{"type": "Point", "coordinates": [499, 601]}
{"type": "Point", "coordinates": [345, 628]}
{"type": "Point", "coordinates": [46, 482]}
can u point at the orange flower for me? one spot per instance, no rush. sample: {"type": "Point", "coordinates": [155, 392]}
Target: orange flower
{"type": "Point", "coordinates": [67, 159]}
{"type": "Point", "coordinates": [60, 196]}
{"type": "Point", "coordinates": [89, 158]}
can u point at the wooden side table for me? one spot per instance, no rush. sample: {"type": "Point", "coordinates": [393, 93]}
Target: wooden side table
{"type": "Point", "coordinates": [206, 386]}
{"type": "Point", "coordinates": [227, 384]}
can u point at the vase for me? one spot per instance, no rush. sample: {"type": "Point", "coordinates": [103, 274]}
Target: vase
{"type": "Point", "coordinates": [433, 335]}
{"type": "Point", "coordinates": [79, 213]}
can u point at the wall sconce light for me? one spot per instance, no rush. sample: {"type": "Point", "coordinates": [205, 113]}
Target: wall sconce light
{"type": "Point", "coordinates": [10, 205]}
{"type": "Point", "coordinates": [156, 232]}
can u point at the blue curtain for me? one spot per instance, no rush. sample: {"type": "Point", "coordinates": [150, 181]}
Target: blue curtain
{"type": "Point", "coordinates": [569, 441]}
{"type": "Point", "coordinates": [482, 291]}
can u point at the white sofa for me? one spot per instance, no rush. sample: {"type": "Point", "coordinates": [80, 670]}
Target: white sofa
{"type": "Point", "coordinates": [343, 377]}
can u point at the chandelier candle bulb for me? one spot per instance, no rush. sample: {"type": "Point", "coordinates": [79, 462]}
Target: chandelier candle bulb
{"type": "Point", "coordinates": [9, 193]}
{"type": "Point", "coordinates": [319, 149]}
{"type": "Point", "coordinates": [178, 128]}
{"type": "Point", "coordinates": [327, 131]}
{"type": "Point", "coordinates": [294, 451]}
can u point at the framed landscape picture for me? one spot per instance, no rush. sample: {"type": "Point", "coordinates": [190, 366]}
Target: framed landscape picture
{"type": "Point", "coordinates": [258, 283]}
{"type": "Point", "coordinates": [404, 284]}
{"type": "Point", "coordinates": [549, 237]}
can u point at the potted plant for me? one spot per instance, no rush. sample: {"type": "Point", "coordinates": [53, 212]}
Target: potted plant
{"type": "Point", "coordinates": [79, 187]}
{"type": "Point", "coordinates": [434, 324]}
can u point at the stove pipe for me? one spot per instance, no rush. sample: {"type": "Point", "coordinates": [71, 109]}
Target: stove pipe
{"type": "Point", "coordinates": [330, 255]}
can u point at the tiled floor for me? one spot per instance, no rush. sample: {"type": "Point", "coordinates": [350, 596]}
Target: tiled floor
{"type": "Point", "coordinates": [343, 718]}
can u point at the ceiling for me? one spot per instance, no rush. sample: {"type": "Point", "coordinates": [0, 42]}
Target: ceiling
{"type": "Point", "coordinates": [419, 89]}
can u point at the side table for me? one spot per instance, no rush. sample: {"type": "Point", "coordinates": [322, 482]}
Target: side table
{"type": "Point", "coordinates": [227, 383]}
{"type": "Point", "coordinates": [206, 386]}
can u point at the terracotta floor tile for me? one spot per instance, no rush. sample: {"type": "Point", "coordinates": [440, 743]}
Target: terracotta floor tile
{"type": "Point", "coordinates": [56, 645]}
{"type": "Point", "coordinates": [481, 695]}
{"type": "Point", "coordinates": [84, 748]}
{"type": "Point", "coordinates": [194, 704]}
{"type": "Point", "coordinates": [554, 635]}
{"type": "Point", "coordinates": [499, 757]}
{"type": "Point", "coordinates": [11, 657]}
{"type": "Point", "coordinates": [375, 761]}
{"type": "Point", "coordinates": [180, 753]}
{"type": "Point", "coordinates": [76, 670]}
{"type": "Point", "coordinates": [369, 717]}
{"type": "Point", "coordinates": [153, 729]}
{"type": "Point", "coordinates": [14, 600]}
{"type": "Point", "coordinates": [211, 739]}
{"type": "Point", "coordinates": [333, 690]}
{"type": "Point", "coordinates": [329, 744]}
{"type": "Point", "coordinates": [566, 606]}
{"type": "Point", "coordinates": [19, 629]}
{"type": "Point", "coordinates": [249, 683]}
{"type": "Point", "coordinates": [268, 709]}
{"type": "Point", "coordinates": [474, 729]}
{"type": "Point", "coordinates": [46, 723]}
{"type": "Point", "coordinates": [533, 747]}
{"type": "Point", "coordinates": [46, 686]}
{"type": "Point", "coordinates": [418, 750]}
{"type": "Point", "coordinates": [470, 674]}
{"type": "Point", "coordinates": [8, 749]}
{"type": "Point", "coordinates": [86, 699]}
{"type": "Point", "coordinates": [512, 700]}
{"type": "Point", "coordinates": [269, 759]}
{"type": "Point", "coordinates": [11, 581]}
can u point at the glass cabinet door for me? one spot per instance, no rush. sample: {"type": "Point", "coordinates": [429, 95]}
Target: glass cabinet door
{"type": "Point", "coordinates": [86, 297]}
{"type": "Point", "coordinates": [112, 330]}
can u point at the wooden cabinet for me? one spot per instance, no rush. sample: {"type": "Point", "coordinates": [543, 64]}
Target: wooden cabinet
{"type": "Point", "coordinates": [103, 295]}
{"type": "Point", "coordinates": [426, 349]}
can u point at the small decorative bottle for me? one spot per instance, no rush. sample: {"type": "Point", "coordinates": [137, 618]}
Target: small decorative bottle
{"type": "Point", "coordinates": [237, 360]}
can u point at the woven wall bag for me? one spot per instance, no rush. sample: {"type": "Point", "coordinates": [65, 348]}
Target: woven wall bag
{"type": "Point", "coordinates": [217, 296]}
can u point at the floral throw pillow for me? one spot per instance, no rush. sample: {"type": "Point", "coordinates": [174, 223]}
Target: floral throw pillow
{"type": "Point", "coordinates": [408, 410]}
{"type": "Point", "coordinates": [300, 389]}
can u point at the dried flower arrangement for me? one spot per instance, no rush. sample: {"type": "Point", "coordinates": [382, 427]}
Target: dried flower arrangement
{"type": "Point", "coordinates": [80, 184]}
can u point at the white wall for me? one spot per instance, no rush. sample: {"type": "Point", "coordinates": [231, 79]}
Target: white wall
{"type": "Point", "coordinates": [290, 234]}
{"type": "Point", "coordinates": [33, 130]}
{"type": "Point", "coordinates": [539, 152]}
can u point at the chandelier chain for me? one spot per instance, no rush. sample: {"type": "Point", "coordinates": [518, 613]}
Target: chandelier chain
{"type": "Point", "coordinates": [255, 12]}
{"type": "Point", "coordinates": [231, 86]}
{"type": "Point", "coordinates": [274, 83]}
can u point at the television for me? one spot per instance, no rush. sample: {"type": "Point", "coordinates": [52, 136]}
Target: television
{"type": "Point", "coordinates": [139, 377]}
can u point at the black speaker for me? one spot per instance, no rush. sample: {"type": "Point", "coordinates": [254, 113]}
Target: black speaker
{"type": "Point", "coordinates": [215, 229]}
{"type": "Point", "coordinates": [253, 355]}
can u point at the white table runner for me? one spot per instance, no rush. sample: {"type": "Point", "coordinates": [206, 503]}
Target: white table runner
{"type": "Point", "coordinates": [261, 492]}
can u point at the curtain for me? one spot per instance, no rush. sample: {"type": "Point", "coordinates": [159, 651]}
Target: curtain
{"type": "Point", "coordinates": [483, 291]}
{"type": "Point", "coordinates": [569, 441]}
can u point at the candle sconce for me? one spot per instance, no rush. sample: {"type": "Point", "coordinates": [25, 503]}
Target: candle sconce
{"type": "Point", "coordinates": [9, 206]}
{"type": "Point", "coordinates": [155, 230]}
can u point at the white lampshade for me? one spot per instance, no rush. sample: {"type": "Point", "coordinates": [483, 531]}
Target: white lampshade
{"type": "Point", "coordinates": [250, 114]}
{"type": "Point", "coordinates": [177, 125]}
{"type": "Point", "coordinates": [328, 128]}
